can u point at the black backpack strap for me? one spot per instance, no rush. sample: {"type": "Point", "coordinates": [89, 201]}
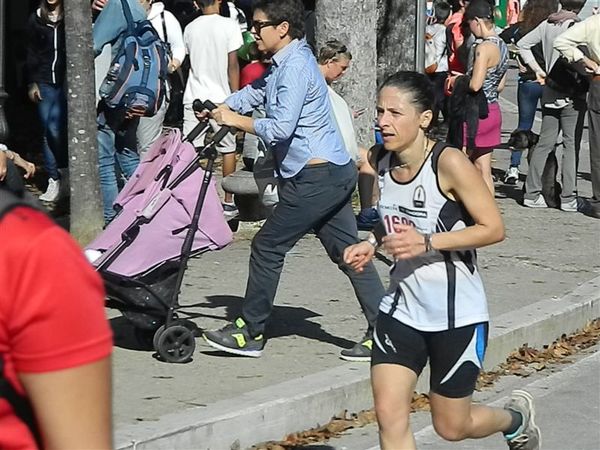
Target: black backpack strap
{"type": "Point", "coordinates": [128, 17]}
{"type": "Point", "coordinates": [164, 27]}
{"type": "Point", "coordinates": [9, 201]}
{"type": "Point", "coordinates": [20, 405]}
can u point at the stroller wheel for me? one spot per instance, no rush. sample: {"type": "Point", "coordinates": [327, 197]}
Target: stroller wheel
{"type": "Point", "coordinates": [157, 334]}
{"type": "Point", "coordinates": [176, 344]}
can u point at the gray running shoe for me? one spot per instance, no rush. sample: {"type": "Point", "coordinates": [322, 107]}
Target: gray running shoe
{"type": "Point", "coordinates": [361, 352]}
{"type": "Point", "coordinates": [234, 338]}
{"type": "Point", "coordinates": [528, 436]}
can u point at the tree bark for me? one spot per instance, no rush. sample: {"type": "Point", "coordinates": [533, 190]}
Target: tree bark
{"type": "Point", "coordinates": [353, 22]}
{"type": "Point", "coordinates": [396, 31]}
{"type": "Point", "coordinates": [86, 206]}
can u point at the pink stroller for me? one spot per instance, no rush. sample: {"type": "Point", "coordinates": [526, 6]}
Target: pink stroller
{"type": "Point", "coordinates": [168, 211]}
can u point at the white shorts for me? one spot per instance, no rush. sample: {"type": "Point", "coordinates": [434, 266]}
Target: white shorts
{"type": "Point", "coordinates": [227, 144]}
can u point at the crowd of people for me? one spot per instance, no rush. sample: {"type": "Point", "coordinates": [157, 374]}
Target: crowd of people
{"type": "Point", "coordinates": [468, 44]}
{"type": "Point", "coordinates": [428, 204]}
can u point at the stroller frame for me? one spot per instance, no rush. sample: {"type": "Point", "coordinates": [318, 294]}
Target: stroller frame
{"type": "Point", "coordinates": [174, 340]}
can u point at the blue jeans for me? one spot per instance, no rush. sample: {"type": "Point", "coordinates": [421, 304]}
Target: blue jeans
{"type": "Point", "coordinates": [528, 96]}
{"type": "Point", "coordinates": [117, 145]}
{"type": "Point", "coordinates": [52, 110]}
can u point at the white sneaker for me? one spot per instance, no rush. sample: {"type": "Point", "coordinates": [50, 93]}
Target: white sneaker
{"type": "Point", "coordinates": [574, 205]}
{"type": "Point", "coordinates": [230, 211]}
{"type": "Point", "coordinates": [539, 202]}
{"type": "Point", "coordinates": [53, 192]}
{"type": "Point", "coordinates": [512, 175]}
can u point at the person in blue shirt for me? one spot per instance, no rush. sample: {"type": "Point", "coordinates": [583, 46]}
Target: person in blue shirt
{"type": "Point", "coordinates": [315, 173]}
{"type": "Point", "coordinates": [117, 142]}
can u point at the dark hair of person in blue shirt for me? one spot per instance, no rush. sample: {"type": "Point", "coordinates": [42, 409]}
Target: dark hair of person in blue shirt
{"type": "Point", "coordinates": [279, 11]}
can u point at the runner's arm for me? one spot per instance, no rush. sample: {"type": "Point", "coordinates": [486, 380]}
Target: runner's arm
{"type": "Point", "coordinates": [460, 179]}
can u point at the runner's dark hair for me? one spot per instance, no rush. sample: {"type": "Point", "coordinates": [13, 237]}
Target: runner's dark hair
{"type": "Point", "coordinates": [415, 83]}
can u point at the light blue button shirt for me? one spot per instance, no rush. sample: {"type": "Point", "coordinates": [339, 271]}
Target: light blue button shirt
{"type": "Point", "coordinates": [299, 125]}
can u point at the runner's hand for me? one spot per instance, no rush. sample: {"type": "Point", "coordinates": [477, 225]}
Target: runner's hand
{"type": "Point", "coordinates": [405, 243]}
{"type": "Point", "coordinates": [357, 256]}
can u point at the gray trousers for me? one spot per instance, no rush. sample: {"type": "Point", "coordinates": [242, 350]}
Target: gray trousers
{"type": "Point", "coordinates": [594, 130]}
{"type": "Point", "coordinates": [317, 198]}
{"type": "Point", "coordinates": [570, 120]}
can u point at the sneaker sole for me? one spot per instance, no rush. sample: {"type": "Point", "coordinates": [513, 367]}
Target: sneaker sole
{"type": "Point", "coordinates": [356, 358]}
{"type": "Point", "coordinates": [535, 206]}
{"type": "Point", "coordinates": [233, 351]}
{"type": "Point", "coordinates": [529, 399]}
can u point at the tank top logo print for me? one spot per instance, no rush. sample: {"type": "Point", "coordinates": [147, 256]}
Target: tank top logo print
{"type": "Point", "coordinates": [419, 197]}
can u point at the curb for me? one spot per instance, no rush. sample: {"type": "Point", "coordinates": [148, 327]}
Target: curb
{"type": "Point", "coordinates": [273, 412]}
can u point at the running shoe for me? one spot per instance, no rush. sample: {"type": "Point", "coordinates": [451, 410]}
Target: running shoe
{"type": "Point", "coordinates": [361, 352]}
{"type": "Point", "coordinates": [234, 338]}
{"type": "Point", "coordinates": [528, 436]}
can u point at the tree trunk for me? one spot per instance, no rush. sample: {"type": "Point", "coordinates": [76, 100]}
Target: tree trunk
{"type": "Point", "coordinates": [396, 31]}
{"type": "Point", "coordinates": [353, 22]}
{"type": "Point", "coordinates": [86, 205]}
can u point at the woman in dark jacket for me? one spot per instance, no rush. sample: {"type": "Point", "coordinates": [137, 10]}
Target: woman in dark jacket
{"type": "Point", "coordinates": [46, 75]}
{"type": "Point", "coordinates": [529, 90]}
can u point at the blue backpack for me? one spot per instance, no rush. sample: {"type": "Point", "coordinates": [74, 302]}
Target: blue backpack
{"type": "Point", "coordinates": [137, 77]}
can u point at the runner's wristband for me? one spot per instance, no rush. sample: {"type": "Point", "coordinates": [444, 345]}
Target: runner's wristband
{"type": "Point", "coordinates": [373, 241]}
{"type": "Point", "coordinates": [427, 239]}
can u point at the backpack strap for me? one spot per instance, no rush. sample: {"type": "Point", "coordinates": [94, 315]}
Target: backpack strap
{"type": "Point", "coordinates": [20, 405]}
{"type": "Point", "coordinates": [164, 27]}
{"type": "Point", "coordinates": [128, 16]}
{"type": "Point", "coordinates": [9, 201]}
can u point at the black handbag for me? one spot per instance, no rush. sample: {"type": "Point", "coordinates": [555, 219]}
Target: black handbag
{"type": "Point", "coordinates": [568, 78]}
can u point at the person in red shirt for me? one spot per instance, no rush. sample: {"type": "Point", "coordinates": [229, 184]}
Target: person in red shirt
{"type": "Point", "coordinates": [55, 342]}
{"type": "Point", "coordinates": [455, 64]}
{"type": "Point", "coordinates": [255, 69]}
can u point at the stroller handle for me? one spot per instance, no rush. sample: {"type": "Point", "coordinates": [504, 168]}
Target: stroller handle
{"type": "Point", "coordinates": [207, 104]}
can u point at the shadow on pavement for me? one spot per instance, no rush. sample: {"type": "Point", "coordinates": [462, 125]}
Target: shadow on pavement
{"type": "Point", "coordinates": [285, 320]}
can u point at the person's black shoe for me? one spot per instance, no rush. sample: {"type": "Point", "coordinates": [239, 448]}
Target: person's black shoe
{"type": "Point", "coordinates": [591, 210]}
{"type": "Point", "coordinates": [361, 352]}
{"type": "Point", "coordinates": [234, 338]}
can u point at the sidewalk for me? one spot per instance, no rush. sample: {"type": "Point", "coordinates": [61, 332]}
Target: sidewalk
{"type": "Point", "coordinates": [546, 254]}
{"type": "Point", "coordinates": [566, 398]}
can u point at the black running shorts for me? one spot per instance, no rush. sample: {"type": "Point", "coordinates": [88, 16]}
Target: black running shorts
{"type": "Point", "coordinates": [455, 356]}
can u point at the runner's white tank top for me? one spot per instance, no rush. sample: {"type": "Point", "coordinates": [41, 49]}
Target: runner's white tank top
{"type": "Point", "coordinates": [438, 290]}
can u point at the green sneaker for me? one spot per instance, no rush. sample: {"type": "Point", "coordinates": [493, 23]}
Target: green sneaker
{"type": "Point", "coordinates": [361, 352]}
{"type": "Point", "coordinates": [528, 436]}
{"type": "Point", "coordinates": [234, 338]}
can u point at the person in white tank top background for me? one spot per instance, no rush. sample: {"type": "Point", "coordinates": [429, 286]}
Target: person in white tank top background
{"type": "Point", "coordinates": [436, 210]}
